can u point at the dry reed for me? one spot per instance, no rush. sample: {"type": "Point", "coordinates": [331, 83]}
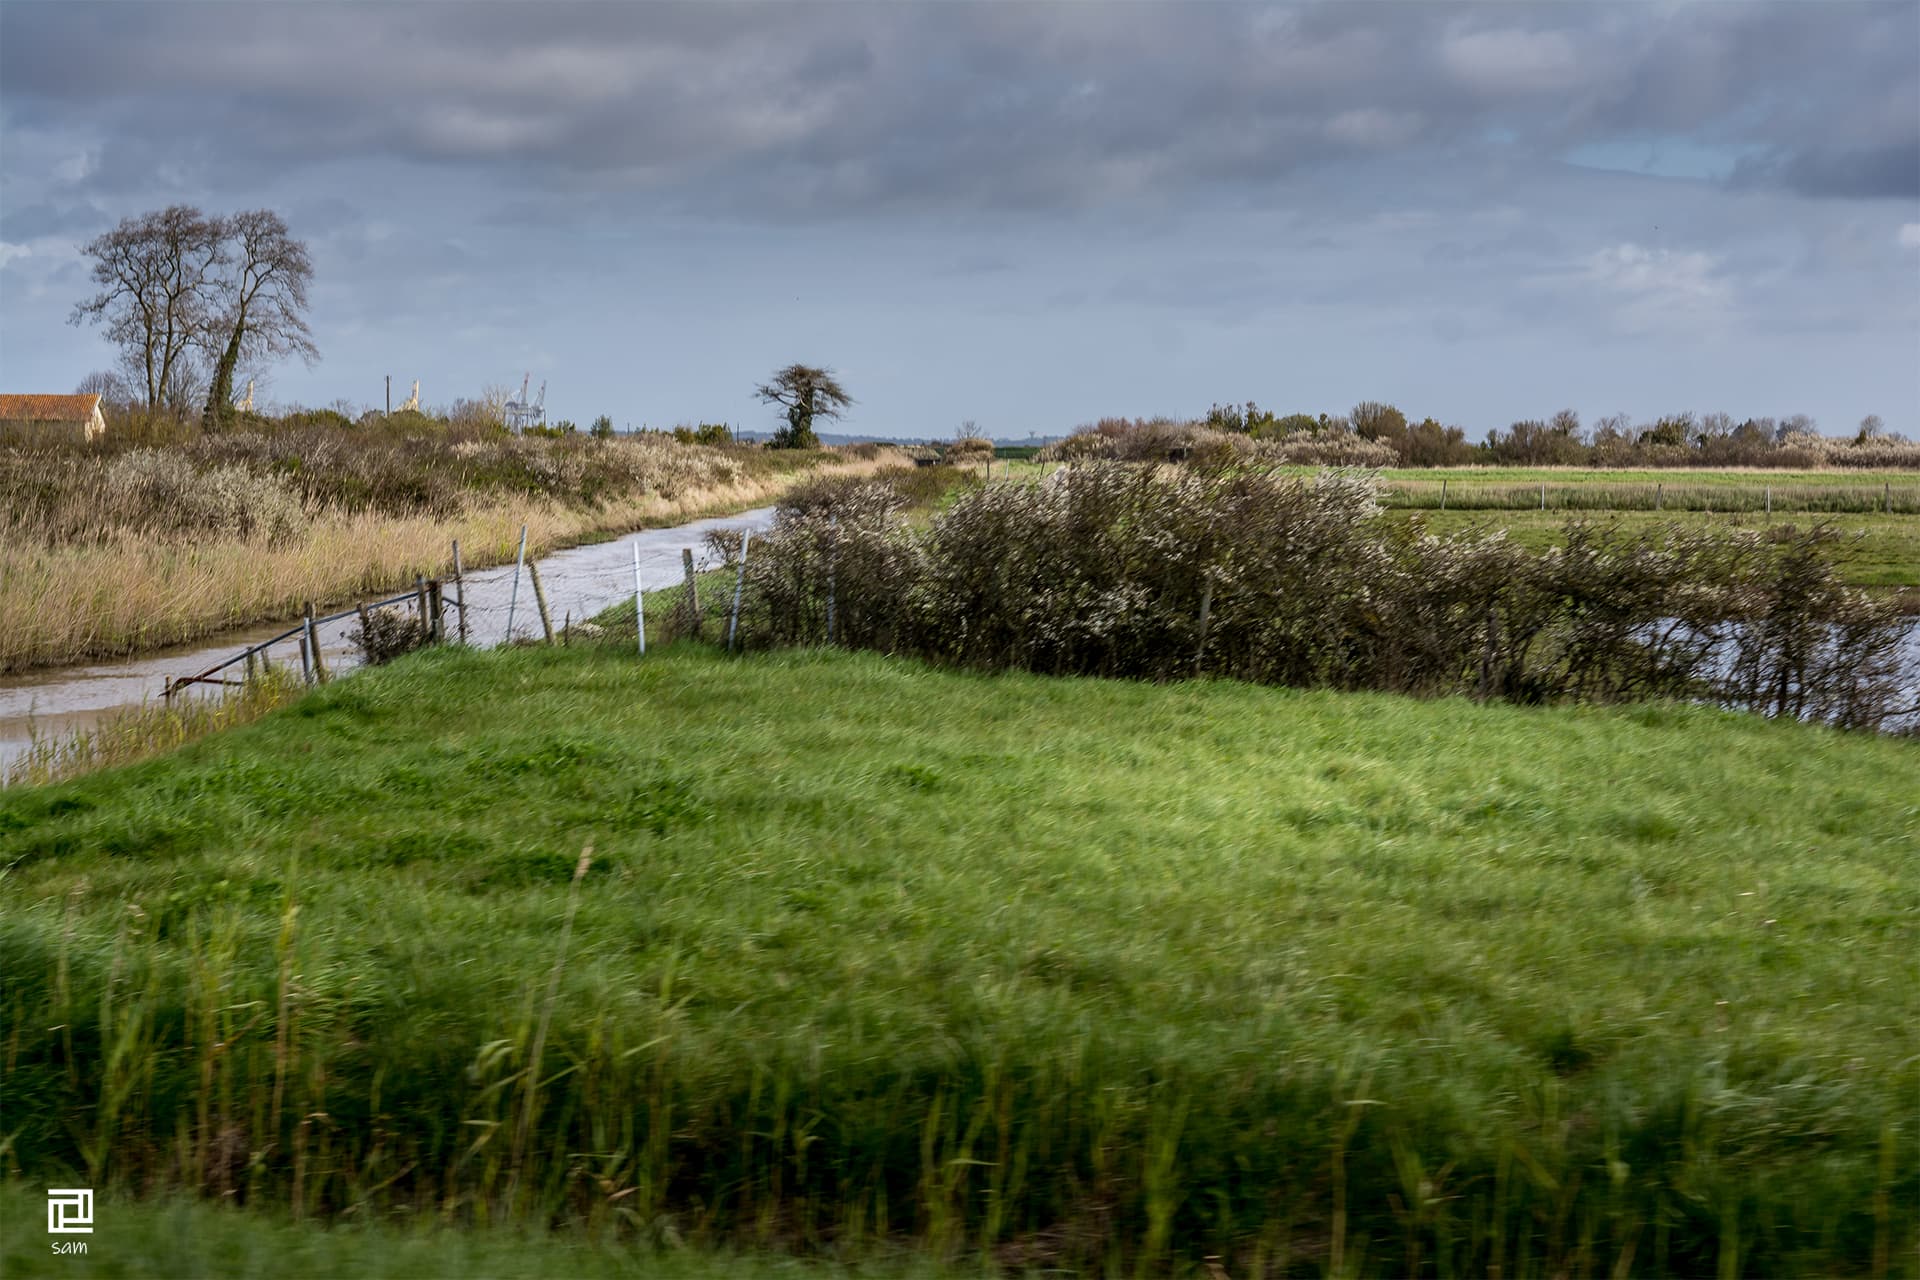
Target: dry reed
{"type": "Point", "coordinates": [125, 590]}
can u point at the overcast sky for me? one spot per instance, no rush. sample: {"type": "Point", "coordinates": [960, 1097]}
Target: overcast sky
{"type": "Point", "coordinates": [1027, 215]}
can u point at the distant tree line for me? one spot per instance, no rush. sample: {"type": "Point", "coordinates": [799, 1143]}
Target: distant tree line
{"type": "Point", "coordinates": [1678, 439]}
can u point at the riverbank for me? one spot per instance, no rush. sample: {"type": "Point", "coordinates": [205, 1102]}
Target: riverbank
{"type": "Point", "coordinates": [1069, 974]}
{"type": "Point", "coordinates": [115, 589]}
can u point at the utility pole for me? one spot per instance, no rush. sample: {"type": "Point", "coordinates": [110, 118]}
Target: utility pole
{"type": "Point", "coordinates": [389, 395]}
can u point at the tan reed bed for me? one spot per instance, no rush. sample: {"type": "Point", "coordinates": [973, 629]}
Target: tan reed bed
{"type": "Point", "coordinates": [123, 591]}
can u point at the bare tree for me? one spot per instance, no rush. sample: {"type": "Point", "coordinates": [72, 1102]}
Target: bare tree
{"type": "Point", "coordinates": [262, 297]}
{"type": "Point", "coordinates": [157, 275]}
{"type": "Point", "coordinates": [805, 393]}
{"type": "Point", "coordinates": [111, 387]}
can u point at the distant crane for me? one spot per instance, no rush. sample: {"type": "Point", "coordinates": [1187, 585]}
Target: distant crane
{"type": "Point", "coordinates": [413, 400]}
{"type": "Point", "coordinates": [524, 413]}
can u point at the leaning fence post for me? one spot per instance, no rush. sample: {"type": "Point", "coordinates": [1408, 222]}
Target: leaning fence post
{"type": "Point", "coordinates": [739, 584]}
{"type": "Point", "coordinates": [313, 642]}
{"type": "Point", "coordinates": [693, 592]}
{"type": "Point", "coordinates": [513, 596]}
{"type": "Point", "coordinates": [460, 585]}
{"type": "Point", "coordinates": [540, 601]}
{"type": "Point", "coordinates": [639, 603]}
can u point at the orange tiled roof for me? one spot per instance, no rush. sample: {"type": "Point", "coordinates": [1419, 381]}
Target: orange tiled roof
{"type": "Point", "coordinates": [47, 408]}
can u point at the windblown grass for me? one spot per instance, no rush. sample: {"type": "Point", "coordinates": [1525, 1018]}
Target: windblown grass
{"type": "Point", "coordinates": [1076, 974]}
{"type": "Point", "coordinates": [178, 1237]}
{"type": "Point", "coordinates": [152, 729]}
{"type": "Point", "coordinates": [122, 590]}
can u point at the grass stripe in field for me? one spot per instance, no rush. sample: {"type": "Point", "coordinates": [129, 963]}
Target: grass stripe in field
{"type": "Point", "coordinates": [1068, 971]}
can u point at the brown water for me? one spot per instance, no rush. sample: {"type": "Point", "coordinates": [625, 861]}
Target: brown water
{"type": "Point", "coordinates": [579, 582]}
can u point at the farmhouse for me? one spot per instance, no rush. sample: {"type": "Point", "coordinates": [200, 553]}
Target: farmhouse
{"type": "Point", "coordinates": [32, 418]}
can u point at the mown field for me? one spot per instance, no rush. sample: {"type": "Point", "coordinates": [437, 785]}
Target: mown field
{"type": "Point", "coordinates": [1041, 974]}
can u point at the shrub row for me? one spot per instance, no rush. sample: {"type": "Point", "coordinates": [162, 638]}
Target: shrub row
{"type": "Point", "coordinates": [1386, 439]}
{"type": "Point", "coordinates": [1157, 573]}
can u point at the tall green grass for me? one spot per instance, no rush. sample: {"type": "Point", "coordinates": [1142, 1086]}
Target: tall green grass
{"type": "Point", "coordinates": [1090, 975]}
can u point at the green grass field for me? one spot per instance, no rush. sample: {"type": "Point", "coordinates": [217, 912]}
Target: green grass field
{"type": "Point", "coordinates": [1049, 973]}
{"type": "Point", "coordinates": [1877, 551]}
{"type": "Point", "coordinates": [176, 1237]}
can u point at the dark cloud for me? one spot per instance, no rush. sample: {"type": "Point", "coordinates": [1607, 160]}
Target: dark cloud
{"type": "Point", "coordinates": [1888, 171]}
{"type": "Point", "coordinates": [801, 110]}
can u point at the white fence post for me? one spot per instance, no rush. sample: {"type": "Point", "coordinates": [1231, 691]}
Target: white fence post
{"type": "Point", "coordinates": [513, 597]}
{"type": "Point", "coordinates": [739, 584]}
{"type": "Point", "coordinates": [639, 609]}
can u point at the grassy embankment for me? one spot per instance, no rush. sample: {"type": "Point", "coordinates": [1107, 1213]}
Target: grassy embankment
{"type": "Point", "coordinates": [109, 553]}
{"type": "Point", "coordinates": [176, 1237]}
{"type": "Point", "coordinates": [1103, 975]}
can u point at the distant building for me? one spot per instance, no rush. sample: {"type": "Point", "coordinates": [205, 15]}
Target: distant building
{"type": "Point", "coordinates": [30, 418]}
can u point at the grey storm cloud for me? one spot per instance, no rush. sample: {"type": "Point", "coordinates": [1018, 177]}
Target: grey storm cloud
{"type": "Point", "coordinates": [796, 110]}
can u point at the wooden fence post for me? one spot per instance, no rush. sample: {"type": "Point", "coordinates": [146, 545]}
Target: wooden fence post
{"type": "Point", "coordinates": [693, 592]}
{"type": "Point", "coordinates": [1769, 502]}
{"type": "Point", "coordinates": [306, 659]}
{"type": "Point", "coordinates": [1443, 495]}
{"type": "Point", "coordinates": [436, 605]}
{"type": "Point", "coordinates": [513, 597]}
{"type": "Point", "coordinates": [1543, 497]}
{"type": "Point", "coordinates": [1656, 496]}
{"type": "Point", "coordinates": [313, 641]}
{"type": "Point", "coordinates": [739, 585]}
{"type": "Point", "coordinates": [460, 585]}
{"type": "Point", "coordinates": [540, 600]}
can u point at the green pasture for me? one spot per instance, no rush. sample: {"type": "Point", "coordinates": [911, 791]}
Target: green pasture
{"type": "Point", "coordinates": [1874, 551]}
{"type": "Point", "coordinates": [1081, 977]}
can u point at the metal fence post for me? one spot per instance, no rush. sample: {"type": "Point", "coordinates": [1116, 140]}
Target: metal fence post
{"type": "Point", "coordinates": [513, 597]}
{"type": "Point", "coordinates": [639, 606]}
{"type": "Point", "coordinates": [739, 585]}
